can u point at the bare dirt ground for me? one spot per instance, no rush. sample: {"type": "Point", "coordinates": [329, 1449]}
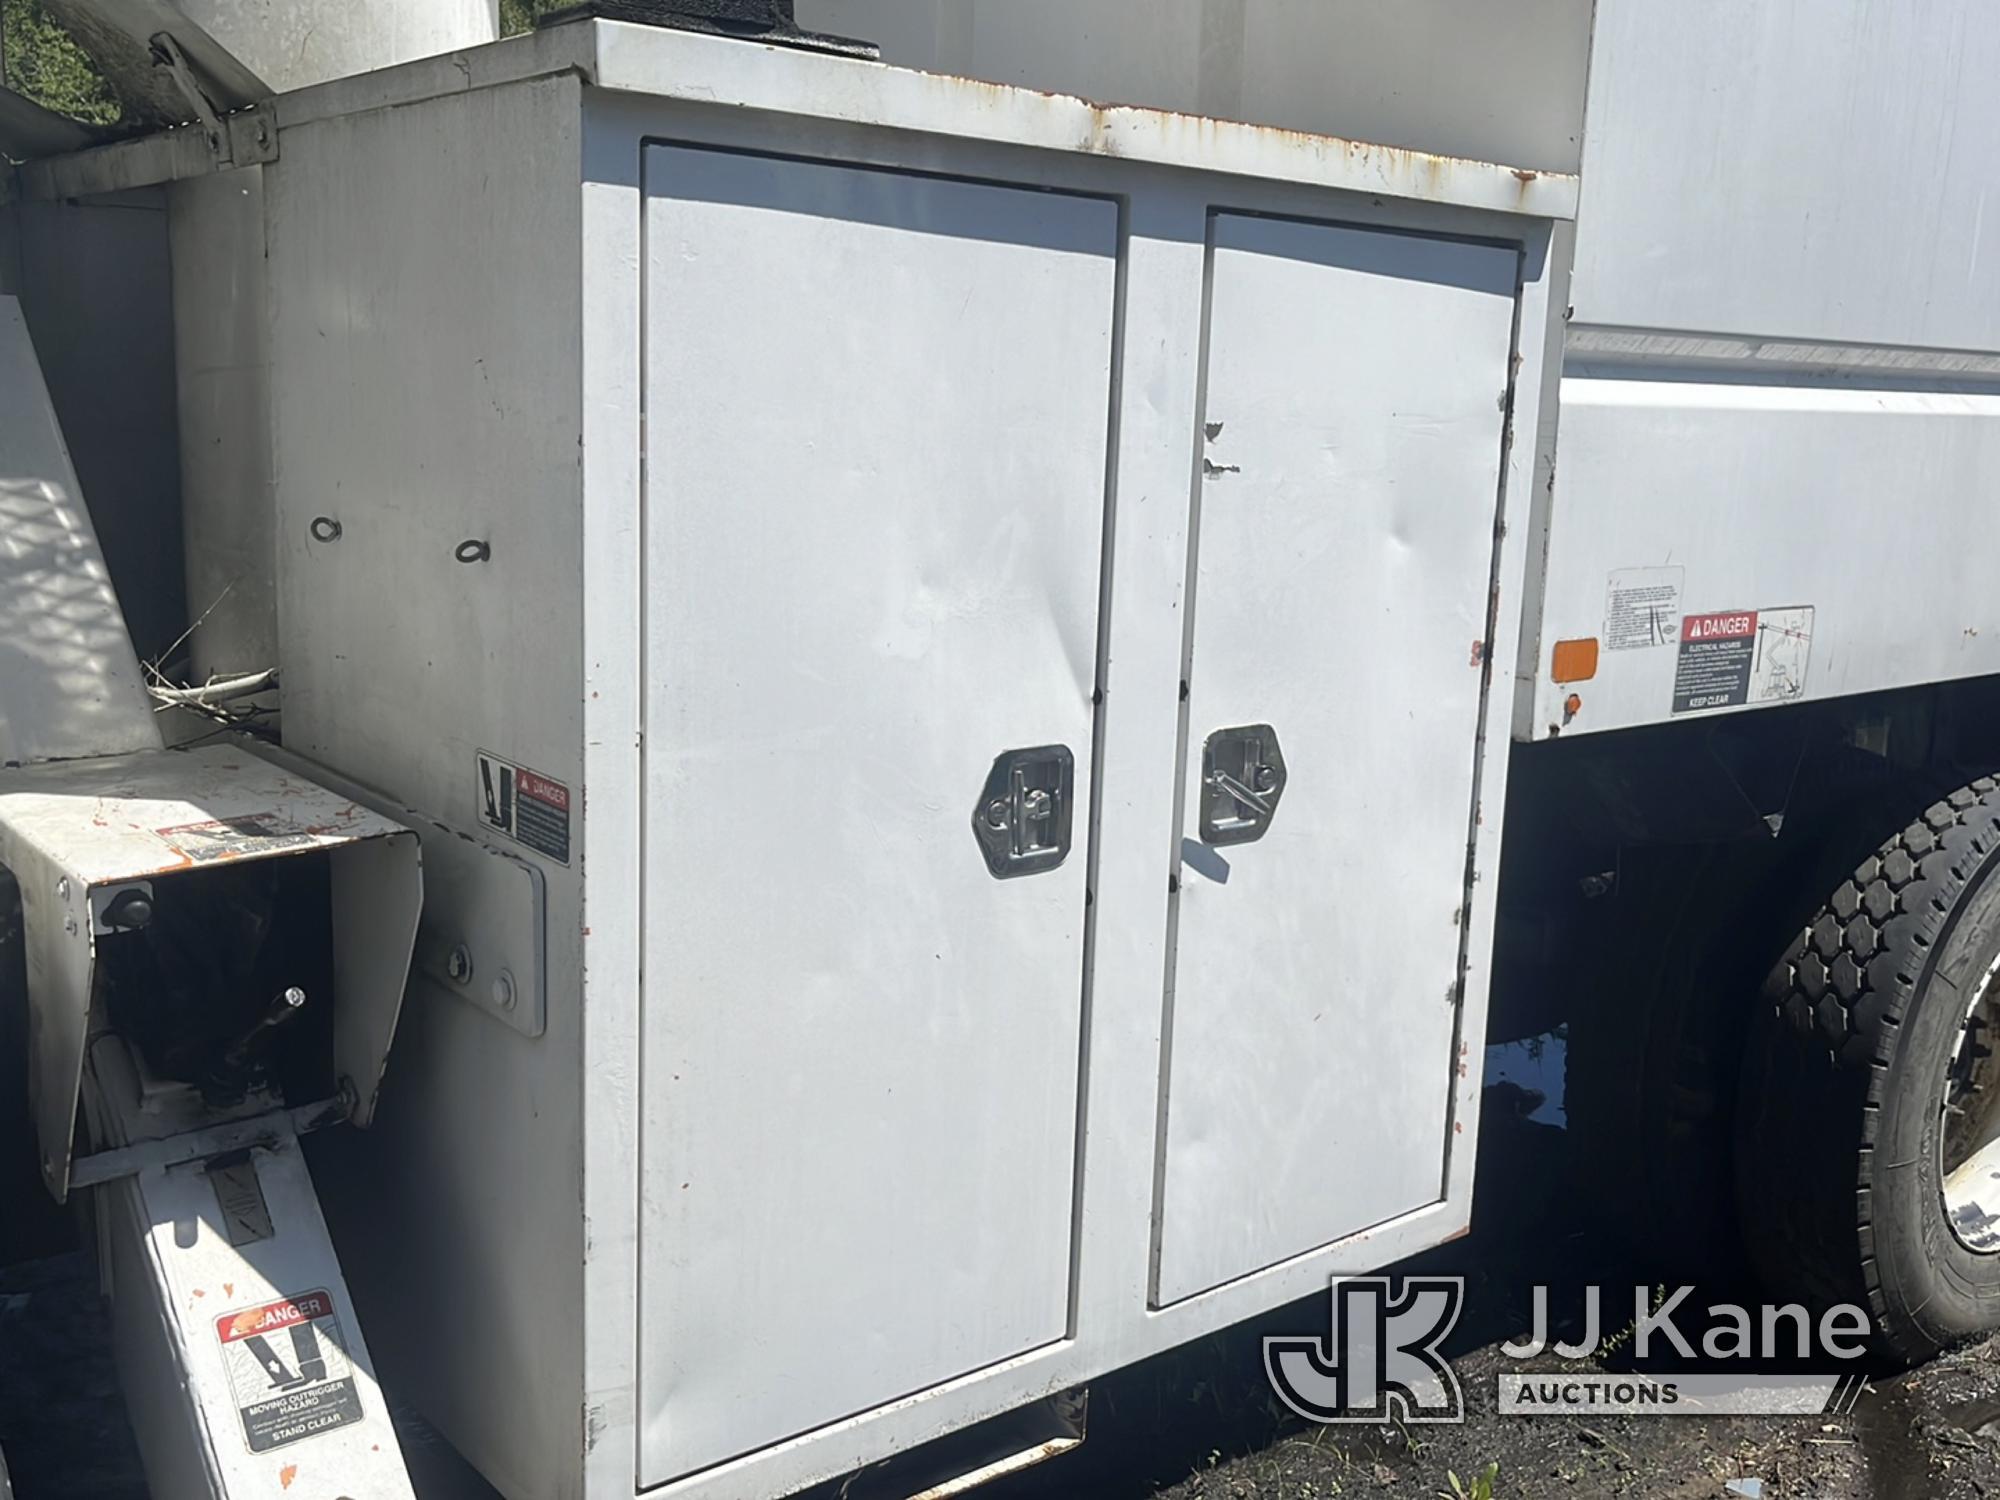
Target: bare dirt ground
{"type": "Point", "coordinates": [1202, 1424]}
{"type": "Point", "coordinates": [1921, 1436]}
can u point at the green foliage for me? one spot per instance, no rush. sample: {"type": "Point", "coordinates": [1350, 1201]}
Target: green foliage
{"type": "Point", "coordinates": [44, 64]}
{"type": "Point", "coordinates": [47, 66]}
{"type": "Point", "coordinates": [520, 15]}
{"type": "Point", "coordinates": [1479, 1487]}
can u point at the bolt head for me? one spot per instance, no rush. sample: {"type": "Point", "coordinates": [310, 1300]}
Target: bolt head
{"type": "Point", "coordinates": [459, 964]}
{"type": "Point", "coordinates": [503, 990]}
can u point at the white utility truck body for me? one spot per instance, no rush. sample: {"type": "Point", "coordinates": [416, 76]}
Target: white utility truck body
{"type": "Point", "coordinates": [834, 430]}
{"type": "Point", "coordinates": [954, 650]}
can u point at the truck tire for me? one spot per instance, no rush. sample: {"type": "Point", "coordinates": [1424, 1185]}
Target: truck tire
{"type": "Point", "coordinates": [1869, 1089]}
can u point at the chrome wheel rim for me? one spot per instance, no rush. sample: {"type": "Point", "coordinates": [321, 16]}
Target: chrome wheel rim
{"type": "Point", "coordinates": [1969, 1122]}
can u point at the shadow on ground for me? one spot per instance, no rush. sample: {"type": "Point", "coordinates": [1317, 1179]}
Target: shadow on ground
{"type": "Point", "coordinates": [1201, 1423]}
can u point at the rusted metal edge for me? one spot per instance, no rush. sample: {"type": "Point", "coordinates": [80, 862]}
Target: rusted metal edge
{"type": "Point", "coordinates": [706, 70]}
{"type": "Point", "coordinates": [712, 71]}
{"type": "Point", "coordinates": [1028, 1458]}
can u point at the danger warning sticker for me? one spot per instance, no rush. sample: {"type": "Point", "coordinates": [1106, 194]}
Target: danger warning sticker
{"type": "Point", "coordinates": [1742, 656]}
{"type": "Point", "coordinates": [289, 1370]}
{"type": "Point", "coordinates": [1716, 655]}
{"type": "Point", "coordinates": [528, 807]}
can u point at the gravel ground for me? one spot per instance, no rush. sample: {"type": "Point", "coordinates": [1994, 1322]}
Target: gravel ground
{"type": "Point", "coordinates": [1201, 1423]}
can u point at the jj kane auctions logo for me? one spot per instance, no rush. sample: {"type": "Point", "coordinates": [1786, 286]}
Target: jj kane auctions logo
{"type": "Point", "coordinates": [1380, 1359]}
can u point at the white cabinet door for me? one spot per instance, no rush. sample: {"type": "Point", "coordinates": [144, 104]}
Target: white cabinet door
{"type": "Point", "coordinates": [877, 409]}
{"type": "Point", "coordinates": [1352, 431]}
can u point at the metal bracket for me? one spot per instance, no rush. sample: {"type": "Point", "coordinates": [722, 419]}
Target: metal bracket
{"type": "Point", "coordinates": [211, 1140]}
{"type": "Point", "coordinates": [1242, 778]}
{"type": "Point", "coordinates": [253, 136]}
{"type": "Point", "coordinates": [1025, 811]}
{"type": "Point", "coordinates": [167, 54]}
{"type": "Point", "coordinates": [483, 935]}
{"type": "Point", "coordinates": [236, 137]}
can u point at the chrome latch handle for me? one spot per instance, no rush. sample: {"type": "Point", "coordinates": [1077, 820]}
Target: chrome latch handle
{"type": "Point", "coordinates": [1242, 778]}
{"type": "Point", "coordinates": [1025, 812]}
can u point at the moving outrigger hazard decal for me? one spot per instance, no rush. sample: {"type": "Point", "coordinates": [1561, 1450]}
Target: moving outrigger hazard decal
{"type": "Point", "coordinates": [528, 807]}
{"type": "Point", "coordinates": [289, 1370]}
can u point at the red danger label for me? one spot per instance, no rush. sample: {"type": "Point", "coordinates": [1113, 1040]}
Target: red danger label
{"type": "Point", "coordinates": [541, 789]}
{"type": "Point", "coordinates": [273, 1316]}
{"type": "Point", "coordinates": [1739, 625]}
{"type": "Point", "coordinates": [1718, 655]}
{"type": "Point", "coordinates": [525, 805]}
{"type": "Point", "coordinates": [289, 1370]}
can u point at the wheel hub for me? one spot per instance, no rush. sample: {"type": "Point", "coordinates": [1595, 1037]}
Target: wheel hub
{"type": "Point", "coordinates": [1969, 1133]}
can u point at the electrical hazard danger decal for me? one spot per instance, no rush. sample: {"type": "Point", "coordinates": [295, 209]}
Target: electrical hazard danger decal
{"type": "Point", "coordinates": [1744, 656]}
{"type": "Point", "coordinates": [289, 1370]}
{"type": "Point", "coordinates": [528, 807]}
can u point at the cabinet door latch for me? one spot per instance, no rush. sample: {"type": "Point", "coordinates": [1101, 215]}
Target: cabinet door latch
{"type": "Point", "coordinates": [1242, 778]}
{"type": "Point", "coordinates": [1023, 817]}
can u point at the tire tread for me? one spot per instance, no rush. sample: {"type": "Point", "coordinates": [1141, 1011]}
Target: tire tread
{"type": "Point", "coordinates": [1806, 1210]}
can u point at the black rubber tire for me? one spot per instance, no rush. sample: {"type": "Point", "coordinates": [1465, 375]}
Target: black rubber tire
{"type": "Point", "coordinates": [1837, 1119]}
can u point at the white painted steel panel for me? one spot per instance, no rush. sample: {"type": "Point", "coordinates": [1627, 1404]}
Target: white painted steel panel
{"type": "Point", "coordinates": [878, 407]}
{"type": "Point", "coordinates": [1458, 77]}
{"type": "Point", "coordinates": [1811, 230]}
{"type": "Point", "coordinates": [222, 368]}
{"type": "Point", "coordinates": [1356, 386]}
{"type": "Point", "coordinates": [404, 260]}
{"type": "Point", "coordinates": [1872, 508]}
{"type": "Point", "coordinates": [1799, 172]}
{"type": "Point", "coordinates": [426, 294]}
